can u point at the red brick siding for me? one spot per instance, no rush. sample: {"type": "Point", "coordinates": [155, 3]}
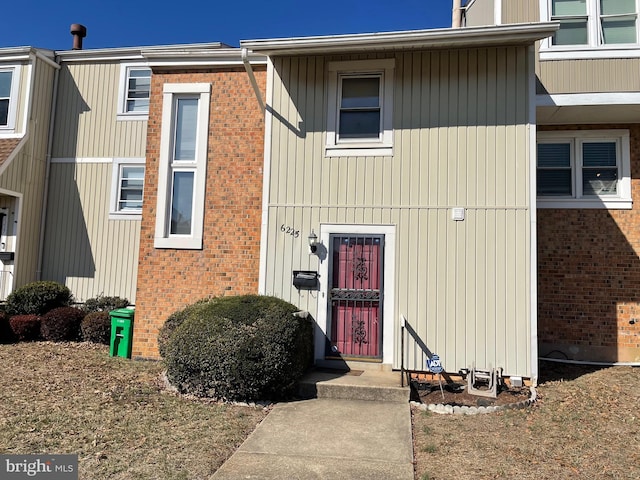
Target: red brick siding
{"type": "Point", "coordinates": [589, 274]}
{"type": "Point", "coordinates": [228, 264]}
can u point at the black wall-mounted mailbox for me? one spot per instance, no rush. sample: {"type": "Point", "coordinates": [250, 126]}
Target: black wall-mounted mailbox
{"type": "Point", "coordinates": [7, 256]}
{"type": "Point", "coordinates": [305, 279]}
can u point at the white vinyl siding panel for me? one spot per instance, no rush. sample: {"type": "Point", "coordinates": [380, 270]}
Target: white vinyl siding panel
{"type": "Point", "coordinates": [461, 139]}
{"type": "Point", "coordinates": [84, 249]}
{"type": "Point", "coordinates": [86, 124]}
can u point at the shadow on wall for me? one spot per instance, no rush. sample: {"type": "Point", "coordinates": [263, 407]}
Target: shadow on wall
{"type": "Point", "coordinates": [67, 248]}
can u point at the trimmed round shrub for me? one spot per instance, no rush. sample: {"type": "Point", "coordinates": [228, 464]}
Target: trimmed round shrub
{"type": "Point", "coordinates": [101, 303]}
{"type": "Point", "coordinates": [6, 333]}
{"type": "Point", "coordinates": [38, 298]}
{"type": "Point", "coordinates": [61, 324]}
{"type": "Point", "coordinates": [175, 320]}
{"type": "Point", "coordinates": [96, 328]}
{"type": "Point", "coordinates": [249, 347]}
{"type": "Point", "coordinates": [25, 327]}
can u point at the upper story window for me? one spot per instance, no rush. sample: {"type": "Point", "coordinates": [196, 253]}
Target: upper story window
{"type": "Point", "coordinates": [183, 166]}
{"type": "Point", "coordinates": [597, 24]}
{"type": "Point", "coordinates": [135, 90]}
{"type": "Point", "coordinates": [584, 169]}
{"type": "Point", "coordinates": [127, 187]}
{"type": "Point", "coordinates": [8, 97]}
{"type": "Point", "coordinates": [360, 106]}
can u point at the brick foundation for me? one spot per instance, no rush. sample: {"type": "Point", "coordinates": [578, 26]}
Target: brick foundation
{"type": "Point", "coordinates": [169, 279]}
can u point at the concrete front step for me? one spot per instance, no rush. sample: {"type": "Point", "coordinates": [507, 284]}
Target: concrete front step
{"type": "Point", "coordinates": [373, 385]}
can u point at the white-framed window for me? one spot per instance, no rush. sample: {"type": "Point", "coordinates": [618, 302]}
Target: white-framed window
{"type": "Point", "coordinates": [134, 93]}
{"type": "Point", "coordinates": [127, 188]}
{"type": "Point", "coordinates": [584, 169]}
{"type": "Point", "coordinates": [360, 108]}
{"type": "Point", "coordinates": [183, 165]}
{"type": "Point", "coordinates": [600, 26]}
{"type": "Point", "coordinates": [9, 80]}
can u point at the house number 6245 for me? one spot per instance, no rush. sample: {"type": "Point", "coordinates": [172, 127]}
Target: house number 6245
{"type": "Point", "coordinates": [290, 230]}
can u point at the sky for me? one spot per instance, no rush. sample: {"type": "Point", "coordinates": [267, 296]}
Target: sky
{"type": "Point", "coordinates": [118, 23]}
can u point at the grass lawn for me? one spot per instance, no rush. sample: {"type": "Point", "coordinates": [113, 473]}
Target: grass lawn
{"type": "Point", "coordinates": [113, 413]}
{"type": "Point", "coordinates": [585, 425]}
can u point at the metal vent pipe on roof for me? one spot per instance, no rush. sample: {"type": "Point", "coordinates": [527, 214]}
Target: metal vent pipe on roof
{"type": "Point", "coordinates": [79, 32]}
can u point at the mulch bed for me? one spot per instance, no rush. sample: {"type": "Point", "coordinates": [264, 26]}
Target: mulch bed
{"type": "Point", "coordinates": [455, 394]}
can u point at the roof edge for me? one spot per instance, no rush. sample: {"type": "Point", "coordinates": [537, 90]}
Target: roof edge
{"type": "Point", "coordinates": [521, 33]}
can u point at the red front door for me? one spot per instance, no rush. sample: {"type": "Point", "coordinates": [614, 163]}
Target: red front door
{"type": "Point", "coordinates": [355, 296]}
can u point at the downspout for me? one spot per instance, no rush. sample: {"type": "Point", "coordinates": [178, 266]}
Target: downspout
{"type": "Point", "coordinates": [45, 197]}
{"type": "Point", "coordinates": [533, 212]}
{"type": "Point", "coordinates": [252, 77]}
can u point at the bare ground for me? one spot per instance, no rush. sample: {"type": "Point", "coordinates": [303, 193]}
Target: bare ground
{"type": "Point", "coordinates": [112, 412]}
{"type": "Point", "coordinates": [586, 424]}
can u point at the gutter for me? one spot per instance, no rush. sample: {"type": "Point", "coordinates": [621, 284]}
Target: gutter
{"type": "Point", "coordinates": [45, 196]}
{"type": "Point", "coordinates": [252, 78]}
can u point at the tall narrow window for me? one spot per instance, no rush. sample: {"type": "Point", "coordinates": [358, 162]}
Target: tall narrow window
{"type": "Point", "coordinates": [183, 162]}
{"type": "Point", "coordinates": [127, 188]}
{"type": "Point", "coordinates": [138, 89]}
{"type": "Point", "coordinates": [6, 77]}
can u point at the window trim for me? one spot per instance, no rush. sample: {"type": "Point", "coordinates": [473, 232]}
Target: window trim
{"type": "Point", "coordinates": [171, 92]}
{"type": "Point", "coordinates": [622, 200]}
{"type": "Point", "coordinates": [12, 116]}
{"type": "Point", "coordinates": [594, 49]}
{"type": "Point", "coordinates": [114, 213]}
{"type": "Point", "coordinates": [122, 113]}
{"type": "Point", "coordinates": [383, 146]}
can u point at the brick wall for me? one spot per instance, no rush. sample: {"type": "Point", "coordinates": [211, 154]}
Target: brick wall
{"type": "Point", "coordinates": [589, 275]}
{"type": "Point", "coordinates": [169, 279]}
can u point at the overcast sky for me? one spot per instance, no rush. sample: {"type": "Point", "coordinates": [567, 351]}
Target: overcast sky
{"type": "Point", "coordinates": [118, 23]}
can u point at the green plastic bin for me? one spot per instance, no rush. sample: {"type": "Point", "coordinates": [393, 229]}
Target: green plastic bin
{"type": "Point", "coordinates": [121, 332]}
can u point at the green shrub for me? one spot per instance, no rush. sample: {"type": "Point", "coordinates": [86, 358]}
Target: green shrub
{"type": "Point", "coordinates": [240, 348]}
{"type": "Point", "coordinates": [6, 333]}
{"type": "Point", "coordinates": [25, 327]}
{"type": "Point", "coordinates": [38, 298]}
{"type": "Point", "coordinates": [61, 324]}
{"type": "Point", "coordinates": [175, 320]}
{"type": "Point", "coordinates": [96, 328]}
{"type": "Point", "coordinates": [101, 303]}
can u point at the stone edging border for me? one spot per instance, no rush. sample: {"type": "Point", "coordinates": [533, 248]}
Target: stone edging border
{"type": "Point", "coordinates": [451, 410]}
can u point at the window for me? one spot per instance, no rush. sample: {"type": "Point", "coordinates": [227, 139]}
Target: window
{"type": "Point", "coordinates": [183, 162]}
{"type": "Point", "coordinates": [127, 186]}
{"type": "Point", "coordinates": [135, 89]}
{"type": "Point", "coordinates": [584, 169]}
{"type": "Point", "coordinates": [8, 97]}
{"type": "Point", "coordinates": [360, 108]}
{"type": "Point", "coordinates": [595, 23]}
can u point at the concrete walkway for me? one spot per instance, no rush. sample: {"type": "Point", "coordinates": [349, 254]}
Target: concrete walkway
{"type": "Point", "coordinates": [327, 439]}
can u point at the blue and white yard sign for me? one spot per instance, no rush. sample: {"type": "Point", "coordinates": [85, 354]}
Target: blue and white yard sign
{"type": "Point", "coordinates": [434, 364]}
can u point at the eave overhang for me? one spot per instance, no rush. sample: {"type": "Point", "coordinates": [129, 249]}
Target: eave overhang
{"type": "Point", "coordinates": [198, 55]}
{"type": "Point", "coordinates": [513, 34]}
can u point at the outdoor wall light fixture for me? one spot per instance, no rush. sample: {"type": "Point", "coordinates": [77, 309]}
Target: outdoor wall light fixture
{"type": "Point", "coordinates": [313, 242]}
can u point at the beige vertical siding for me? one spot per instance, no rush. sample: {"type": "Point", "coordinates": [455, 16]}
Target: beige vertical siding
{"type": "Point", "coordinates": [461, 139]}
{"type": "Point", "coordinates": [84, 249]}
{"type": "Point", "coordinates": [481, 13]}
{"type": "Point", "coordinates": [25, 175]}
{"type": "Point", "coordinates": [520, 11]}
{"type": "Point", "coordinates": [590, 75]}
{"type": "Point", "coordinates": [86, 124]}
